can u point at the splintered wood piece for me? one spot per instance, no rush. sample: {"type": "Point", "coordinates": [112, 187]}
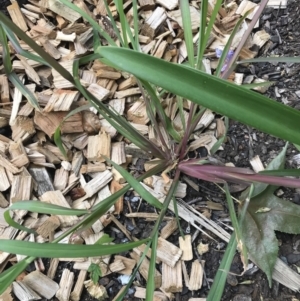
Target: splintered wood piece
{"type": "Point", "coordinates": [50, 48]}
{"type": "Point", "coordinates": [260, 38]}
{"type": "Point", "coordinates": [144, 268]}
{"type": "Point", "coordinates": [118, 152]}
{"type": "Point", "coordinates": [97, 146]}
{"type": "Point", "coordinates": [65, 285]}
{"type": "Point", "coordinates": [186, 247]}
{"type": "Point", "coordinates": [244, 7]}
{"type": "Point", "coordinates": [147, 4]}
{"type": "Point", "coordinates": [21, 188]}
{"type": "Point", "coordinates": [277, 3]}
{"type": "Point", "coordinates": [195, 17]}
{"type": "Point", "coordinates": [23, 128]}
{"type": "Point", "coordinates": [108, 74]}
{"type": "Point", "coordinates": [140, 293]}
{"type": "Point", "coordinates": [78, 288]}
{"type": "Point", "coordinates": [3, 202]}
{"type": "Point", "coordinates": [205, 120]}
{"type": "Point", "coordinates": [65, 12]}
{"type": "Point", "coordinates": [42, 284]}
{"type": "Point", "coordinates": [95, 290]}
{"type": "Point", "coordinates": [23, 292]}
{"type": "Point", "coordinates": [167, 252]}
{"type": "Point", "coordinates": [221, 129]}
{"type": "Point", "coordinates": [48, 122]}
{"type": "Point", "coordinates": [29, 70]}
{"type": "Point", "coordinates": [61, 100]}
{"type": "Point", "coordinates": [42, 179]}
{"type": "Point", "coordinates": [127, 93]}
{"type": "Point", "coordinates": [128, 263]}
{"type": "Point", "coordinates": [114, 187]}
{"type": "Point", "coordinates": [8, 165]}
{"type": "Point", "coordinates": [4, 89]}
{"type": "Point", "coordinates": [57, 198]}
{"type": "Point", "coordinates": [97, 183]}
{"type": "Point", "coordinates": [169, 228]}
{"type": "Point", "coordinates": [4, 181]}
{"type": "Point", "coordinates": [196, 276]}
{"type": "Point", "coordinates": [168, 4]}
{"type": "Point", "coordinates": [160, 186]}
{"type": "Point", "coordinates": [61, 179]}
{"type": "Point", "coordinates": [157, 18]}
{"type": "Point", "coordinates": [90, 168]}
{"type": "Point", "coordinates": [99, 92]}
{"type": "Point", "coordinates": [6, 296]}
{"type": "Point", "coordinates": [257, 164]}
{"type": "Point", "coordinates": [91, 122]}
{"type": "Point", "coordinates": [52, 268]}
{"type": "Point", "coordinates": [17, 98]}
{"type": "Point", "coordinates": [127, 83]}
{"type": "Point", "coordinates": [172, 278]}
{"type": "Point", "coordinates": [118, 105]}
{"type": "Point", "coordinates": [17, 16]}
{"type": "Point", "coordinates": [47, 228]}
{"type": "Point", "coordinates": [58, 80]}
{"type": "Point", "coordinates": [18, 154]}
{"type": "Point", "coordinates": [138, 113]}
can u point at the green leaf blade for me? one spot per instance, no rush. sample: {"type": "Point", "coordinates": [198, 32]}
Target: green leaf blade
{"type": "Point", "coordinates": [64, 250]}
{"type": "Point", "coordinates": [220, 96]}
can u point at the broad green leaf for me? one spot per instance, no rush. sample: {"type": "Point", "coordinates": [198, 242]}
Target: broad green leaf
{"type": "Point", "coordinates": [276, 163]}
{"type": "Point", "coordinates": [147, 196]}
{"type": "Point", "coordinates": [258, 229]}
{"type": "Point", "coordinates": [216, 94]}
{"type": "Point", "coordinates": [50, 250]}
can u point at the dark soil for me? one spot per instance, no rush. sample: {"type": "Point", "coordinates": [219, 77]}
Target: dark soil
{"type": "Point", "coordinates": [243, 143]}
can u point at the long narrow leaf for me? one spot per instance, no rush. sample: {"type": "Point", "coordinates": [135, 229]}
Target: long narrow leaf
{"type": "Point", "coordinates": [151, 272]}
{"type": "Point", "coordinates": [187, 28]}
{"type": "Point", "coordinates": [64, 250]}
{"type": "Point", "coordinates": [136, 185]}
{"type": "Point", "coordinates": [221, 96]}
{"type": "Point", "coordinates": [9, 275]}
{"type": "Point", "coordinates": [24, 90]}
{"type": "Point", "coordinates": [237, 230]}
{"type": "Point", "coordinates": [228, 44]}
{"type": "Point", "coordinates": [216, 291]}
{"type": "Point", "coordinates": [45, 208]}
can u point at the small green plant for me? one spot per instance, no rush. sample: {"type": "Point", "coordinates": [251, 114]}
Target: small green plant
{"type": "Point", "coordinates": [204, 91]}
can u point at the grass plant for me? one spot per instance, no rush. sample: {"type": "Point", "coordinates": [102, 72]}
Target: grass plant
{"type": "Point", "coordinates": [186, 81]}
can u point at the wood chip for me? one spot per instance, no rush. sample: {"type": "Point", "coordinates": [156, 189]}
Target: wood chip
{"type": "Point", "coordinates": [172, 278]}
{"type": "Point", "coordinates": [42, 284]}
